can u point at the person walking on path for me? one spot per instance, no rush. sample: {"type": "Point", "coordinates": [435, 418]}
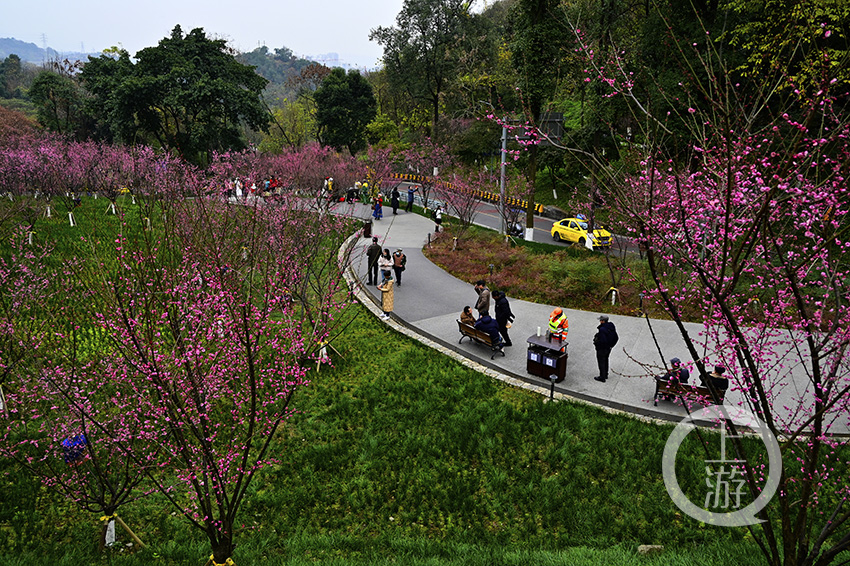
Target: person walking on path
{"type": "Point", "coordinates": [410, 191]}
{"type": "Point", "coordinates": [385, 264]}
{"type": "Point", "coordinates": [387, 298]}
{"type": "Point", "coordinates": [378, 208]}
{"type": "Point", "coordinates": [438, 218]}
{"type": "Point", "coordinates": [483, 303]}
{"type": "Point", "coordinates": [373, 252]}
{"type": "Point", "coordinates": [504, 316]}
{"type": "Point", "coordinates": [394, 196]}
{"type": "Point", "coordinates": [399, 263]}
{"type": "Point", "coordinates": [604, 341]}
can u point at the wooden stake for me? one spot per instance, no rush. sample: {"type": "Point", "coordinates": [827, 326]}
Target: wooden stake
{"type": "Point", "coordinates": [133, 536]}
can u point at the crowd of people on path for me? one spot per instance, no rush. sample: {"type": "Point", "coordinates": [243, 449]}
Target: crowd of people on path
{"type": "Point", "coordinates": [496, 328]}
{"type": "Point", "coordinates": [389, 264]}
{"type": "Point", "coordinates": [392, 265]}
{"type": "Point", "coordinates": [376, 200]}
{"type": "Point", "coordinates": [604, 340]}
{"type": "Point", "coordinates": [241, 189]}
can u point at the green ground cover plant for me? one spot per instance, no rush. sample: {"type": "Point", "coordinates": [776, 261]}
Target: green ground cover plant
{"type": "Point", "coordinates": [421, 461]}
{"type": "Point", "coordinates": [570, 277]}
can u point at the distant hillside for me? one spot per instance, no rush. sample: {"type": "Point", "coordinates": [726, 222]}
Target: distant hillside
{"type": "Point", "coordinates": [276, 66]}
{"type": "Point", "coordinates": [32, 53]}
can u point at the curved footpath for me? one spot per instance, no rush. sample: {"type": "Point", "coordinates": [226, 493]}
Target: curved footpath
{"type": "Point", "coordinates": [430, 300]}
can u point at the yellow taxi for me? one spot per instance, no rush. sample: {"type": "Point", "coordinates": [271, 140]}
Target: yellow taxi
{"type": "Point", "coordinates": [576, 230]}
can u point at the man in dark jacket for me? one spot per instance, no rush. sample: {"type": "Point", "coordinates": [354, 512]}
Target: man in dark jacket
{"type": "Point", "coordinates": [399, 264]}
{"type": "Point", "coordinates": [677, 373]}
{"type": "Point", "coordinates": [373, 252]}
{"type": "Point", "coordinates": [503, 315]}
{"type": "Point", "coordinates": [604, 341]}
{"type": "Point", "coordinates": [487, 324]}
{"type": "Point", "coordinates": [394, 196]}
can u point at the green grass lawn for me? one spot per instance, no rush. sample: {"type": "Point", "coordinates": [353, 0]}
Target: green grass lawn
{"type": "Point", "coordinates": [400, 456]}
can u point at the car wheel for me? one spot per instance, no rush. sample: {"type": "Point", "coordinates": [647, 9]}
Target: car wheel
{"type": "Point", "coordinates": [581, 242]}
{"type": "Point", "coordinates": [556, 236]}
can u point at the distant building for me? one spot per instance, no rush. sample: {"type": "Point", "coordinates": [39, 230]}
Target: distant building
{"type": "Point", "coordinates": [333, 60]}
{"type": "Point", "coordinates": [328, 60]}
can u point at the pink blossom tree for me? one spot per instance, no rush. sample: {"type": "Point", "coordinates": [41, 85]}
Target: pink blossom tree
{"type": "Point", "coordinates": [381, 163]}
{"type": "Point", "coordinates": [77, 442]}
{"type": "Point", "coordinates": [461, 199]}
{"type": "Point", "coordinates": [205, 322]}
{"type": "Point", "coordinates": [748, 233]}
{"type": "Point", "coordinates": [24, 284]}
{"type": "Point", "coordinates": [211, 330]}
{"type": "Point", "coordinates": [17, 204]}
{"type": "Point", "coordinates": [49, 383]}
{"type": "Point", "coordinates": [422, 159]}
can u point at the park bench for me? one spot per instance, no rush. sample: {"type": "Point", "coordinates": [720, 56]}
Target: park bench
{"type": "Point", "coordinates": [480, 337]}
{"type": "Point", "coordinates": [698, 393]}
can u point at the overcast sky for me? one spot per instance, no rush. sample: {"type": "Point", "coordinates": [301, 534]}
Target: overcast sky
{"type": "Point", "coordinates": [307, 27]}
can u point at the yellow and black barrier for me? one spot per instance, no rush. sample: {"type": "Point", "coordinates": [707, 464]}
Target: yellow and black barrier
{"type": "Point", "coordinates": [510, 201]}
{"type": "Point", "coordinates": [483, 195]}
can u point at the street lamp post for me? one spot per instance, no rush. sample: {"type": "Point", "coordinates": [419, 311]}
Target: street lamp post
{"type": "Point", "coordinates": [502, 180]}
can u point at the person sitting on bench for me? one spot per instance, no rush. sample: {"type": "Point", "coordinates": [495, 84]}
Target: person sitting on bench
{"type": "Point", "coordinates": [489, 325]}
{"type": "Point", "coordinates": [676, 373]}
{"type": "Point", "coordinates": [717, 380]}
{"type": "Point", "coordinates": [467, 317]}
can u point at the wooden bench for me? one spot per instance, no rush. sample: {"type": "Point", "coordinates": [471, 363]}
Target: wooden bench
{"type": "Point", "coordinates": [698, 393]}
{"type": "Point", "coordinates": [481, 337]}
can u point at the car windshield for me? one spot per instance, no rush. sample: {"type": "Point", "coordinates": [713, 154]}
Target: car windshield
{"type": "Point", "coordinates": [582, 225]}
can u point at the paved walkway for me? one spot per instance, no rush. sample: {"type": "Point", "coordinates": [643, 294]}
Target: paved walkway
{"type": "Point", "coordinates": [429, 302]}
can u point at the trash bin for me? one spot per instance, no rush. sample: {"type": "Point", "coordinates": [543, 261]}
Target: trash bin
{"type": "Point", "coordinates": [367, 228]}
{"type": "Point", "coordinates": [545, 359]}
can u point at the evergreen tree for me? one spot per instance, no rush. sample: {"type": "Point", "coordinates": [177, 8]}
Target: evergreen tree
{"type": "Point", "coordinates": [345, 105]}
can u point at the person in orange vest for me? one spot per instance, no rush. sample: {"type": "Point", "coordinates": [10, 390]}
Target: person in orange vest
{"type": "Point", "coordinates": [559, 326]}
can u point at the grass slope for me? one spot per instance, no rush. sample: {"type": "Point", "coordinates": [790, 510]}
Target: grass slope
{"type": "Point", "coordinates": [400, 456]}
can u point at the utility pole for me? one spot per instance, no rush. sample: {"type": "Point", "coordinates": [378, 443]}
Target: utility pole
{"type": "Point", "coordinates": [502, 180]}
